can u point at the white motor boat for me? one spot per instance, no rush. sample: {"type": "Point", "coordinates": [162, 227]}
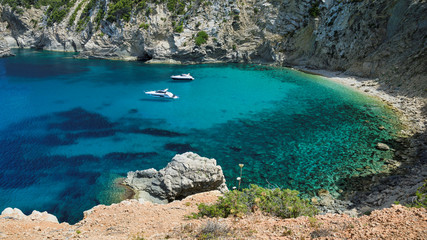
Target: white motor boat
{"type": "Point", "coordinates": [183, 76]}
{"type": "Point", "coordinates": [162, 94]}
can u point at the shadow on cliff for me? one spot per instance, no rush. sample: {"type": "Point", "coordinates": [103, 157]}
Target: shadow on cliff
{"type": "Point", "coordinates": [407, 171]}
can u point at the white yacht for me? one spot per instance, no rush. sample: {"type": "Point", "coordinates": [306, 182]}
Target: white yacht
{"type": "Point", "coordinates": [182, 77]}
{"type": "Point", "coordinates": [162, 94]}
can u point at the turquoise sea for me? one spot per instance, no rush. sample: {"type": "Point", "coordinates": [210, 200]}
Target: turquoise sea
{"type": "Point", "coordinates": [69, 128]}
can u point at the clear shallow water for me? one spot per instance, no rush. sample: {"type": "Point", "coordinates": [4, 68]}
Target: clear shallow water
{"type": "Point", "coordinates": [69, 128]}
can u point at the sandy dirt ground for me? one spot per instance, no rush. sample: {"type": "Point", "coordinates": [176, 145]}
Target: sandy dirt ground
{"type": "Point", "coordinates": [133, 220]}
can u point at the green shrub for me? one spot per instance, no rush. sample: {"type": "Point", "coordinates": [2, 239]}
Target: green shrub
{"type": "Point", "coordinates": [420, 200]}
{"type": "Point", "coordinates": [57, 10]}
{"type": "Point", "coordinates": [201, 38]}
{"type": "Point", "coordinates": [314, 11]}
{"type": "Point", "coordinates": [74, 15]}
{"type": "Point", "coordinates": [141, 5]}
{"type": "Point", "coordinates": [34, 22]}
{"type": "Point", "coordinates": [121, 9]}
{"type": "Point", "coordinates": [148, 12]}
{"type": "Point", "coordinates": [85, 16]}
{"type": "Point", "coordinates": [213, 230]}
{"type": "Point", "coordinates": [144, 26]}
{"type": "Point", "coordinates": [176, 6]}
{"type": "Point", "coordinates": [282, 203]}
{"type": "Point", "coordinates": [179, 28]}
{"type": "Point", "coordinates": [99, 16]}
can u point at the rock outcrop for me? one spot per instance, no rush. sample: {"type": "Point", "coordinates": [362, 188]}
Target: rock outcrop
{"type": "Point", "coordinates": [17, 214]}
{"type": "Point", "coordinates": [186, 174]}
{"type": "Point", "coordinates": [4, 49]}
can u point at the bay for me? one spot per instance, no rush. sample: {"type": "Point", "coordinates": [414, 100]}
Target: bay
{"type": "Point", "coordinates": [69, 128]}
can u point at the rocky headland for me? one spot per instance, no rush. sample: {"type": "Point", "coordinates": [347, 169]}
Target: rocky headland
{"type": "Point", "coordinates": [185, 175]}
{"type": "Point", "coordinates": [378, 47]}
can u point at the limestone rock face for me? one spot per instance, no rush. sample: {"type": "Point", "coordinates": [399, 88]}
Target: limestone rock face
{"type": "Point", "coordinates": [185, 175]}
{"type": "Point", "coordinates": [5, 42]}
{"type": "Point", "coordinates": [4, 49]}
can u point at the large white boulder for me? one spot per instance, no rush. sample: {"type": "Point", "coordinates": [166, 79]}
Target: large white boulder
{"type": "Point", "coordinates": [185, 175]}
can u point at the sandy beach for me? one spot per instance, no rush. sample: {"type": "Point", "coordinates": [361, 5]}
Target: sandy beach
{"type": "Point", "coordinates": [409, 109]}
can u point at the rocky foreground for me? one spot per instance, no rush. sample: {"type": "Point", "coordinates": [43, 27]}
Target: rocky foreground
{"type": "Point", "coordinates": [185, 175]}
{"type": "Point", "coordinates": [131, 219]}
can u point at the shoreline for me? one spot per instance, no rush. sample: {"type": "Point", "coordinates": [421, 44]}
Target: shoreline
{"type": "Point", "coordinates": [384, 190]}
{"type": "Point", "coordinates": [410, 109]}
{"type": "Point", "coordinates": [410, 115]}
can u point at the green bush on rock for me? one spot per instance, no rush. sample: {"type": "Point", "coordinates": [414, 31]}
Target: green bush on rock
{"type": "Point", "coordinates": [314, 11]}
{"type": "Point", "coordinates": [85, 16]}
{"type": "Point", "coordinates": [420, 200]}
{"type": "Point", "coordinates": [201, 38]}
{"type": "Point", "coordinates": [120, 10]}
{"type": "Point", "coordinates": [74, 15]}
{"type": "Point", "coordinates": [282, 203]}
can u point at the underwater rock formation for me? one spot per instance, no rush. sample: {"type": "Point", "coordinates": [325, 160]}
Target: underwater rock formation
{"type": "Point", "coordinates": [186, 174]}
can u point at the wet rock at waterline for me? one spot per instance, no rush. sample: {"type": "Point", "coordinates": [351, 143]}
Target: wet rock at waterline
{"type": "Point", "coordinates": [382, 146]}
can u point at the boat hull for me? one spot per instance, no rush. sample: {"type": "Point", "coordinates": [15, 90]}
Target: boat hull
{"type": "Point", "coordinates": [160, 94]}
{"type": "Point", "coordinates": [182, 79]}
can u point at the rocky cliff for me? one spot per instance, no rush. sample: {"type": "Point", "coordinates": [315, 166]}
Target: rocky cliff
{"type": "Point", "coordinates": [383, 39]}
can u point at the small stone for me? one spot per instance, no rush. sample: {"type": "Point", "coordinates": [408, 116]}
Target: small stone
{"type": "Point", "coordinates": [382, 147]}
{"type": "Point", "coordinates": [323, 192]}
{"type": "Point", "coordinates": [314, 201]}
{"type": "Point", "coordinates": [381, 127]}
